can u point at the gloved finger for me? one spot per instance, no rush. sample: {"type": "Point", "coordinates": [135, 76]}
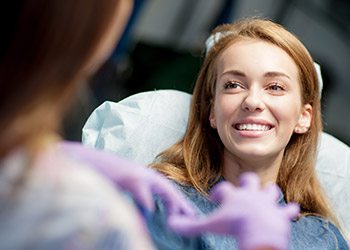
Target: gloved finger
{"type": "Point", "coordinates": [273, 191]}
{"type": "Point", "coordinates": [191, 226]}
{"type": "Point", "coordinates": [142, 195]}
{"type": "Point", "coordinates": [220, 192]}
{"type": "Point", "coordinates": [174, 201]}
{"type": "Point", "coordinates": [249, 180]}
{"type": "Point", "coordinates": [176, 205]}
{"type": "Point", "coordinates": [291, 210]}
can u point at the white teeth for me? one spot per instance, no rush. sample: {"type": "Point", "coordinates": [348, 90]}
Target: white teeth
{"type": "Point", "coordinates": [253, 127]}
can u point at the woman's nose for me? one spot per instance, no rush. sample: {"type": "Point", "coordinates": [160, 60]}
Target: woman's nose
{"type": "Point", "coordinates": [253, 101]}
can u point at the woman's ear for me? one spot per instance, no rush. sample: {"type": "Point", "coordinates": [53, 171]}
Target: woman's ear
{"type": "Point", "coordinates": [304, 121]}
{"type": "Point", "coordinates": [212, 119]}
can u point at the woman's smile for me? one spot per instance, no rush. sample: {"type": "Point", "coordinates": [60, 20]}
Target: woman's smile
{"type": "Point", "coordinates": [253, 128]}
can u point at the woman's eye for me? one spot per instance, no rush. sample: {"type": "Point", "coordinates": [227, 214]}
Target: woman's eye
{"type": "Point", "coordinates": [276, 87]}
{"type": "Point", "coordinates": [232, 85]}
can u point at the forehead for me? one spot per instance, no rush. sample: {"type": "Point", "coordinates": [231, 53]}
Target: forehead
{"type": "Point", "coordinates": [256, 56]}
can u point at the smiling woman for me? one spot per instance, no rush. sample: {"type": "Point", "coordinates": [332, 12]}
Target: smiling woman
{"type": "Point", "coordinates": [256, 108]}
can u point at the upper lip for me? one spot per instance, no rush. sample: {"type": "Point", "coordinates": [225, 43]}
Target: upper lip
{"type": "Point", "coordinates": [254, 121]}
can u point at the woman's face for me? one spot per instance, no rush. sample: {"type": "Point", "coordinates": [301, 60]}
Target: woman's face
{"type": "Point", "coordinates": [257, 104]}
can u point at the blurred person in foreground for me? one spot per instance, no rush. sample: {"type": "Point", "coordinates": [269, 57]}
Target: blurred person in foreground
{"type": "Point", "coordinates": [51, 197]}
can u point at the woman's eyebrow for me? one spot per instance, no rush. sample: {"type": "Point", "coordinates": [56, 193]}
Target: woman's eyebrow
{"type": "Point", "coordinates": [275, 73]}
{"type": "Point", "coordinates": [234, 72]}
{"type": "Point", "coordinates": [239, 73]}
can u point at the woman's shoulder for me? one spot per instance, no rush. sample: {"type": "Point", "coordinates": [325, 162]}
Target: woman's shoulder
{"type": "Point", "coordinates": [315, 232]}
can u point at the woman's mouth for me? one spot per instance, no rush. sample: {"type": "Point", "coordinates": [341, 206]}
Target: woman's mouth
{"type": "Point", "coordinates": [252, 127]}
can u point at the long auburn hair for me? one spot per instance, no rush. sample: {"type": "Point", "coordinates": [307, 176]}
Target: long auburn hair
{"type": "Point", "coordinates": [45, 55]}
{"type": "Point", "coordinates": [196, 159]}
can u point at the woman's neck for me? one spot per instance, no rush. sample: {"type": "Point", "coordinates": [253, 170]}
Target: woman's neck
{"type": "Point", "coordinates": [266, 168]}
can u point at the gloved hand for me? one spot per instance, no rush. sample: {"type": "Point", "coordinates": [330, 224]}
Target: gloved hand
{"type": "Point", "coordinates": [249, 213]}
{"type": "Point", "coordinates": [139, 180]}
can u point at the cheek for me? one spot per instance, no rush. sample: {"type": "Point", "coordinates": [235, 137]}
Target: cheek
{"type": "Point", "coordinates": [288, 113]}
{"type": "Point", "coordinates": [225, 107]}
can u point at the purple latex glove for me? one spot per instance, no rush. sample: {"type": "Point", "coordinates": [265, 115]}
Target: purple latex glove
{"type": "Point", "coordinates": [139, 180]}
{"type": "Point", "coordinates": [249, 213]}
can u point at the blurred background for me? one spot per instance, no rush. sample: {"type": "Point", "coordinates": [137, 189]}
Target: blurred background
{"type": "Point", "coordinates": [162, 48]}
